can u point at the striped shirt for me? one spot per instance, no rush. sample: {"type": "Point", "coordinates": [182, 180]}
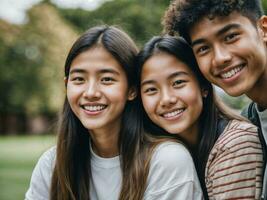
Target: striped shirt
{"type": "Point", "coordinates": [234, 167]}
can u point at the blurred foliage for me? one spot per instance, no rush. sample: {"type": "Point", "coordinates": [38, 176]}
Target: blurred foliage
{"type": "Point", "coordinates": [141, 19]}
{"type": "Point", "coordinates": [264, 3]}
{"type": "Point", "coordinates": [237, 103]}
{"type": "Point", "coordinates": [32, 55]}
{"type": "Point", "coordinates": [32, 60]}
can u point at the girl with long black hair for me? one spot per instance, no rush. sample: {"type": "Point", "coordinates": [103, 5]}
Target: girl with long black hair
{"type": "Point", "coordinates": [102, 151]}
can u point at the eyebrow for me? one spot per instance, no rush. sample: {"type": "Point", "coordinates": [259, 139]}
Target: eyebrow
{"type": "Point", "coordinates": [77, 71]}
{"type": "Point", "coordinates": [179, 73]}
{"type": "Point", "coordinates": [220, 32]}
{"type": "Point", "coordinates": [102, 71]}
{"type": "Point", "coordinates": [147, 82]}
{"type": "Point", "coordinates": [109, 70]}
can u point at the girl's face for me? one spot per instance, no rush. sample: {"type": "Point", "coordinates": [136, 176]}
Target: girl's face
{"type": "Point", "coordinates": [97, 89]}
{"type": "Point", "coordinates": [171, 95]}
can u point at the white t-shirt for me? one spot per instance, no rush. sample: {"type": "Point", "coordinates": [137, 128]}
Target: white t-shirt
{"type": "Point", "coordinates": [172, 176]}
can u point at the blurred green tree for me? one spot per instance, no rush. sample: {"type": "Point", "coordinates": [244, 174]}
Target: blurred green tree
{"type": "Point", "coordinates": [32, 55]}
{"type": "Point", "coordinates": [31, 65]}
{"type": "Point", "coordinates": [141, 19]}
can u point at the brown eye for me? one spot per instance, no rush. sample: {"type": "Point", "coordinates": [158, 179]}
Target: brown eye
{"type": "Point", "coordinates": [231, 37]}
{"type": "Point", "coordinates": [150, 90]}
{"type": "Point", "coordinates": [178, 82]}
{"type": "Point", "coordinates": [107, 80]}
{"type": "Point", "coordinates": [202, 50]}
{"type": "Point", "coordinates": [77, 80]}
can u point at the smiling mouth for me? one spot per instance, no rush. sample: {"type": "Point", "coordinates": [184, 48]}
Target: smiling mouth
{"type": "Point", "coordinates": [173, 113]}
{"type": "Point", "coordinates": [94, 108]}
{"type": "Point", "coordinates": [232, 72]}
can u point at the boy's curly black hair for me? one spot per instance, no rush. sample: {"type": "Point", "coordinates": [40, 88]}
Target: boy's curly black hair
{"type": "Point", "coordinates": [183, 14]}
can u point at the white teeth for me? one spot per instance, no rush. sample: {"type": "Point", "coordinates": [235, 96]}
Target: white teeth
{"type": "Point", "coordinates": [172, 114]}
{"type": "Point", "coordinates": [94, 108]}
{"type": "Point", "coordinates": [232, 72]}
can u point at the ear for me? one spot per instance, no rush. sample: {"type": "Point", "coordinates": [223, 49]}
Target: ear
{"type": "Point", "coordinates": [263, 27]}
{"type": "Point", "coordinates": [132, 93]}
{"type": "Point", "coordinates": [65, 80]}
{"type": "Point", "coordinates": [204, 92]}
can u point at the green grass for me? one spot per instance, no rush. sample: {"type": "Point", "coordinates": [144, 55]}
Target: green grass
{"type": "Point", "coordinates": [18, 156]}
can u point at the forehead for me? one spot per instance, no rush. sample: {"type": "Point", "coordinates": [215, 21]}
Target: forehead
{"type": "Point", "coordinates": [161, 65]}
{"type": "Point", "coordinates": [95, 58]}
{"type": "Point", "coordinates": [206, 26]}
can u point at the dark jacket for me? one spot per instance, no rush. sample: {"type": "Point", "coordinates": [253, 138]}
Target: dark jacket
{"type": "Point", "coordinates": [250, 113]}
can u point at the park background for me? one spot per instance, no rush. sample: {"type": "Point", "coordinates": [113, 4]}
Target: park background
{"type": "Point", "coordinates": [33, 47]}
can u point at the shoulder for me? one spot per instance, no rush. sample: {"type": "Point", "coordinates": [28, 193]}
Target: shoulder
{"type": "Point", "coordinates": [239, 141]}
{"type": "Point", "coordinates": [48, 157]}
{"type": "Point", "coordinates": [172, 174]}
{"type": "Point", "coordinates": [50, 153]}
{"type": "Point", "coordinates": [238, 132]}
{"type": "Point", "coordinates": [45, 164]}
{"type": "Point", "coordinates": [171, 154]}
{"type": "Point", "coordinates": [172, 158]}
{"type": "Point", "coordinates": [235, 158]}
{"type": "Point", "coordinates": [41, 176]}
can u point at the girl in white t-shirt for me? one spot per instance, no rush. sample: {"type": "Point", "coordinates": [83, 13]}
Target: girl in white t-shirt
{"type": "Point", "coordinates": [102, 152]}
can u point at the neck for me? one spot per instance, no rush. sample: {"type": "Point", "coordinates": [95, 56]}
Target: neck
{"type": "Point", "coordinates": [256, 94]}
{"type": "Point", "coordinates": [105, 142]}
{"type": "Point", "coordinates": [191, 136]}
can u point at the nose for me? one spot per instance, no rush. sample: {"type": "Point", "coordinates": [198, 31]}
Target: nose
{"type": "Point", "coordinates": [92, 91]}
{"type": "Point", "coordinates": [168, 98]}
{"type": "Point", "coordinates": [222, 56]}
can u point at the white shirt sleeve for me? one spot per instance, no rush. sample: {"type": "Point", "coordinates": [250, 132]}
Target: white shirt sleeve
{"type": "Point", "coordinates": [172, 174]}
{"type": "Point", "coordinates": [41, 177]}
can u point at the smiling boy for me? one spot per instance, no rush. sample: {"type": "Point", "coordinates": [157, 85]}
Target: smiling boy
{"type": "Point", "coordinates": [229, 40]}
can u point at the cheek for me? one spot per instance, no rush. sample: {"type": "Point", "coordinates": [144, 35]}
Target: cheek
{"type": "Point", "coordinates": [72, 94]}
{"type": "Point", "coordinates": [204, 63]}
{"type": "Point", "coordinates": [204, 66]}
{"type": "Point", "coordinates": [196, 105]}
{"type": "Point", "coordinates": [148, 104]}
{"type": "Point", "coordinates": [116, 93]}
{"type": "Point", "coordinates": [192, 97]}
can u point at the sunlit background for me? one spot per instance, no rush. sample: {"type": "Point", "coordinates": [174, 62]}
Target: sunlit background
{"type": "Point", "coordinates": [35, 37]}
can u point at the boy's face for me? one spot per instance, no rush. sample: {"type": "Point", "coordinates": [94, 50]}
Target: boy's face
{"type": "Point", "coordinates": [231, 52]}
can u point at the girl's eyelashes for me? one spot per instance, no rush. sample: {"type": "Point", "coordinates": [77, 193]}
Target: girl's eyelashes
{"type": "Point", "coordinates": [149, 90]}
{"type": "Point", "coordinates": [107, 80]}
{"type": "Point", "coordinates": [178, 83]}
{"type": "Point", "coordinates": [77, 80]}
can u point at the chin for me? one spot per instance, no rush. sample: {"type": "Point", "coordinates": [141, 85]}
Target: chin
{"type": "Point", "coordinates": [173, 132]}
{"type": "Point", "coordinates": [236, 94]}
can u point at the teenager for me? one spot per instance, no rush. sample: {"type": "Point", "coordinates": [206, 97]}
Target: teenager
{"type": "Point", "coordinates": [229, 41]}
{"type": "Point", "coordinates": [102, 152]}
{"type": "Point", "coordinates": [178, 99]}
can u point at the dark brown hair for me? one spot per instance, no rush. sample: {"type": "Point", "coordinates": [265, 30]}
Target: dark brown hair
{"type": "Point", "coordinates": [72, 172]}
{"type": "Point", "coordinates": [214, 112]}
{"type": "Point", "coordinates": [183, 14]}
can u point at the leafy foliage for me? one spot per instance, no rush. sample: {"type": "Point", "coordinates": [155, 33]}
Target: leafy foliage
{"type": "Point", "coordinates": [33, 55]}
{"type": "Point", "coordinates": [141, 19]}
{"type": "Point", "coordinates": [31, 62]}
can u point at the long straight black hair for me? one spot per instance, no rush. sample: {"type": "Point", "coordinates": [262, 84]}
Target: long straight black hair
{"type": "Point", "coordinates": [214, 111]}
{"type": "Point", "coordinates": [71, 174]}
